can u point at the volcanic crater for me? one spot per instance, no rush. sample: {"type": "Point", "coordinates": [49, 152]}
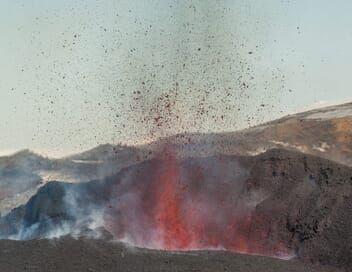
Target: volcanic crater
{"type": "Point", "coordinates": [281, 204]}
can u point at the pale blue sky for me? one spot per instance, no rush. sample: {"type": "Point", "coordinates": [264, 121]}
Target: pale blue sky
{"type": "Point", "coordinates": [75, 74]}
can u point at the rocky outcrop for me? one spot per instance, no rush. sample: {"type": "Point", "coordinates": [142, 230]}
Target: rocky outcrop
{"type": "Point", "coordinates": [289, 203]}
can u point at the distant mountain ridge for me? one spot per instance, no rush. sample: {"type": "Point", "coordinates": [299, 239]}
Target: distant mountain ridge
{"type": "Point", "coordinates": [324, 132]}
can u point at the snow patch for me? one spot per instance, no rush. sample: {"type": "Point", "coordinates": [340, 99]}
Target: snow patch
{"type": "Point", "coordinates": [323, 147]}
{"type": "Point", "coordinates": [87, 162]}
{"type": "Point", "coordinates": [289, 145]}
{"type": "Point", "coordinates": [331, 114]}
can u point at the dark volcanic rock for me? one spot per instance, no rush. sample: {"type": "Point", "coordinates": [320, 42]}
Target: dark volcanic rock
{"type": "Point", "coordinates": [67, 254]}
{"type": "Point", "coordinates": [302, 202]}
{"type": "Point", "coordinates": [309, 205]}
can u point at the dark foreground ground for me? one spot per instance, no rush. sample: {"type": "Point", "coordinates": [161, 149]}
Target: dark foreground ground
{"type": "Point", "coordinates": [69, 255]}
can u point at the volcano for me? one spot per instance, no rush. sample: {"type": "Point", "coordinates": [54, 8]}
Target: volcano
{"type": "Point", "coordinates": [187, 205]}
{"type": "Point", "coordinates": [281, 204]}
{"type": "Point", "coordinates": [272, 190]}
{"type": "Point", "coordinates": [324, 132]}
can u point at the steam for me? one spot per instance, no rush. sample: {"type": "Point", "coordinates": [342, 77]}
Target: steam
{"type": "Point", "coordinates": [18, 179]}
{"type": "Point", "coordinates": [187, 205]}
{"type": "Point", "coordinates": [164, 203]}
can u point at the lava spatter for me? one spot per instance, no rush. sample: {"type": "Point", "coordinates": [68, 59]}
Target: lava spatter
{"type": "Point", "coordinates": [173, 204]}
{"type": "Point", "coordinates": [169, 214]}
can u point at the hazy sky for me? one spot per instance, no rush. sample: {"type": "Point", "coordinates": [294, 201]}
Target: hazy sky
{"type": "Point", "coordinates": [77, 73]}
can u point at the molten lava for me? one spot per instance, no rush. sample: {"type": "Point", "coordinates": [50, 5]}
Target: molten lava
{"type": "Point", "coordinates": [169, 215]}
{"type": "Point", "coordinates": [186, 205]}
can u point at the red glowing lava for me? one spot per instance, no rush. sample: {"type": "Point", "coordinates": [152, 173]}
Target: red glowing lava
{"type": "Point", "coordinates": [169, 216]}
{"type": "Point", "coordinates": [188, 205]}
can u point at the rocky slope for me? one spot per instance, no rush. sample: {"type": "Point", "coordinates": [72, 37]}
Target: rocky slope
{"type": "Point", "coordinates": [279, 203]}
{"type": "Point", "coordinates": [325, 132]}
{"type": "Point", "coordinates": [23, 173]}
{"type": "Point", "coordinates": [84, 255]}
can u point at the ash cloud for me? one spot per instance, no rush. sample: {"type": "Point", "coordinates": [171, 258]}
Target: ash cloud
{"type": "Point", "coordinates": [191, 68]}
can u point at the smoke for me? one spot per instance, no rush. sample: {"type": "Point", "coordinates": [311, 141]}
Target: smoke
{"type": "Point", "coordinates": [56, 210]}
{"type": "Point", "coordinates": [166, 203]}
{"type": "Point", "coordinates": [191, 68]}
{"type": "Point", "coordinates": [18, 178]}
{"type": "Point", "coordinates": [188, 205]}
